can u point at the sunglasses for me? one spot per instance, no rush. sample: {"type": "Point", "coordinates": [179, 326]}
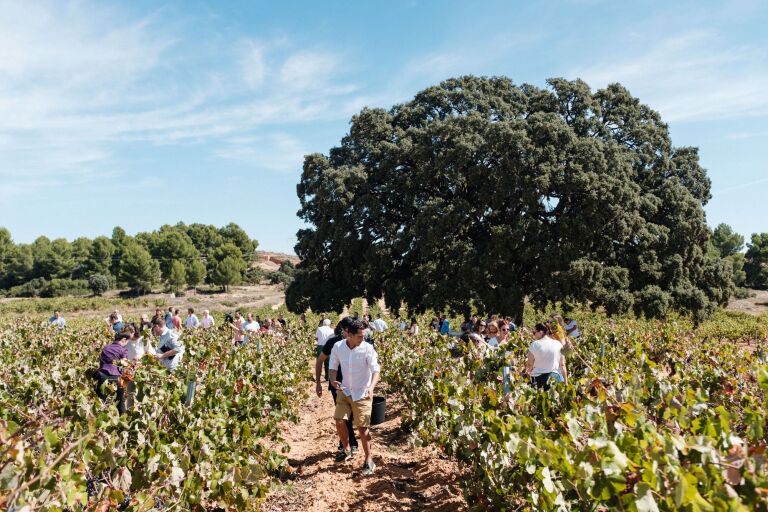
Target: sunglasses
{"type": "Point", "coordinates": [505, 330]}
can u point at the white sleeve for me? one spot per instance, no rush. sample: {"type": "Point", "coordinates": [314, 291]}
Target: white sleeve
{"type": "Point", "coordinates": [333, 363]}
{"type": "Point", "coordinates": [373, 361]}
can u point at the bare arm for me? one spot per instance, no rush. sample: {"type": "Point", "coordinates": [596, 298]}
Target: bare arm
{"type": "Point", "coordinates": [529, 364]}
{"type": "Point", "coordinates": [563, 369]}
{"type": "Point", "coordinates": [318, 370]}
{"type": "Point", "coordinates": [332, 377]}
{"type": "Point", "coordinates": [374, 381]}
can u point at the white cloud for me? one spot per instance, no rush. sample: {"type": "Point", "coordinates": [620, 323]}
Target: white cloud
{"type": "Point", "coordinates": [276, 152]}
{"type": "Point", "coordinates": [308, 70]}
{"type": "Point", "coordinates": [79, 81]}
{"type": "Point", "coordinates": [747, 135]}
{"type": "Point", "coordinates": [253, 65]}
{"type": "Point", "coordinates": [690, 76]}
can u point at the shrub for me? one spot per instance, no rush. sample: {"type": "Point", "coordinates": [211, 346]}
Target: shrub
{"type": "Point", "coordinates": [99, 283]}
{"type": "Point", "coordinates": [743, 293]}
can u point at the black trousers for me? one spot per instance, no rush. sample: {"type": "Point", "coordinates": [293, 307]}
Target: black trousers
{"type": "Point", "coordinates": [101, 378]}
{"type": "Point", "coordinates": [350, 424]}
{"type": "Point", "coordinates": [542, 381]}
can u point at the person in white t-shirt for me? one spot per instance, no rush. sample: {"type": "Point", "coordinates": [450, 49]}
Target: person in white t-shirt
{"type": "Point", "coordinates": [191, 322]}
{"type": "Point", "coordinates": [207, 320]}
{"type": "Point", "coordinates": [322, 334]}
{"type": "Point", "coordinates": [250, 327]}
{"type": "Point", "coordinates": [379, 325]}
{"type": "Point", "coordinates": [571, 328]}
{"type": "Point", "coordinates": [545, 360]}
{"type": "Point", "coordinates": [414, 329]}
{"type": "Point", "coordinates": [135, 345]}
{"type": "Point", "coordinates": [492, 330]}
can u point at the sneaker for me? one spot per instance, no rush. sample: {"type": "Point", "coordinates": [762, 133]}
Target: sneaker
{"type": "Point", "coordinates": [368, 468]}
{"type": "Point", "coordinates": [343, 456]}
{"type": "Point", "coordinates": [340, 448]}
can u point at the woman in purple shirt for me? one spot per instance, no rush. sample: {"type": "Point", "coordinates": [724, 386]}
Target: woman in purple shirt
{"type": "Point", "coordinates": [107, 369]}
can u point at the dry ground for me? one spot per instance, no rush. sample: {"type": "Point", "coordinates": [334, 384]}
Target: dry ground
{"type": "Point", "coordinates": [406, 478]}
{"type": "Point", "coordinates": [756, 305]}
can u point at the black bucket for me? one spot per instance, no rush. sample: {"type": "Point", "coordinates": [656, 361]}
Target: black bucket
{"type": "Point", "coordinates": [378, 409]}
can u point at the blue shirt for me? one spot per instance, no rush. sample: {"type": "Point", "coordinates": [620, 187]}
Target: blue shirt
{"type": "Point", "coordinates": [169, 320]}
{"type": "Point", "coordinates": [58, 322]}
{"type": "Point", "coordinates": [117, 326]}
{"type": "Point", "coordinates": [445, 327]}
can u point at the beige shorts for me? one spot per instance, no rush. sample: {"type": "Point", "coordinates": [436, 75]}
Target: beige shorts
{"type": "Point", "coordinates": [360, 409]}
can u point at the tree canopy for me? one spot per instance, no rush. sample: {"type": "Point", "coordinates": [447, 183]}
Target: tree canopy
{"type": "Point", "coordinates": [726, 240]}
{"type": "Point", "coordinates": [482, 192]}
{"type": "Point", "coordinates": [756, 261]}
{"type": "Point", "coordinates": [172, 254]}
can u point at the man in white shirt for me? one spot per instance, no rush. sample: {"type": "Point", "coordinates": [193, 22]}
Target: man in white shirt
{"type": "Point", "coordinates": [379, 325]}
{"type": "Point", "coordinates": [207, 320]}
{"type": "Point", "coordinates": [360, 368]}
{"type": "Point", "coordinates": [571, 328]}
{"type": "Point", "coordinates": [191, 322]}
{"type": "Point", "coordinates": [323, 333]}
{"type": "Point", "coordinates": [250, 327]}
{"type": "Point", "coordinates": [170, 350]}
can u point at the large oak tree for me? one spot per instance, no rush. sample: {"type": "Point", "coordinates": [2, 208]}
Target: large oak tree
{"type": "Point", "coordinates": [481, 192]}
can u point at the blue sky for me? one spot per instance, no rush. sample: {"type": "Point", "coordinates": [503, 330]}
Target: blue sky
{"type": "Point", "coordinates": [139, 113]}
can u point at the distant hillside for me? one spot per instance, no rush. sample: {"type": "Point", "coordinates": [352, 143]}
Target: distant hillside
{"type": "Point", "coordinates": [271, 261]}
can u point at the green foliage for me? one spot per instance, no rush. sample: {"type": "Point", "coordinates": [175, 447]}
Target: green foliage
{"type": "Point", "coordinates": [279, 277]}
{"type": "Point", "coordinates": [401, 209]}
{"type": "Point", "coordinates": [284, 275]}
{"type": "Point", "coordinates": [177, 277]}
{"type": "Point", "coordinates": [726, 241]}
{"type": "Point", "coordinates": [46, 260]}
{"type": "Point", "coordinates": [99, 283]}
{"type": "Point", "coordinates": [756, 261]}
{"type": "Point", "coordinates": [654, 417]}
{"type": "Point", "coordinates": [137, 268]}
{"type": "Point", "coordinates": [228, 271]}
{"type": "Point", "coordinates": [101, 253]}
{"type": "Point", "coordinates": [170, 247]}
{"type": "Point", "coordinates": [737, 267]}
{"type": "Point", "coordinates": [195, 273]}
{"type": "Point", "coordinates": [39, 287]}
{"type": "Point", "coordinates": [234, 234]}
{"type": "Point", "coordinates": [253, 275]}
{"type": "Point", "coordinates": [46, 305]}
{"type": "Point", "coordinates": [6, 246]}
{"type": "Point", "coordinates": [222, 451]}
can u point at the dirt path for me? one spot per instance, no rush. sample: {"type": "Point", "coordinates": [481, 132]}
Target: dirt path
{"type": "Point", "coordinates": [405, 479]}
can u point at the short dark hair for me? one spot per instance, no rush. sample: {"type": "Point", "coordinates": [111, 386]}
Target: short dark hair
{"type": "Point", "coordinates": [119, 336]}
{"type": "Point", "coordinates": [346, 322]}
{"type": "Point", "coordinates": [355, 326]}
{"type": "Point", "coordinates": [545, 328]}
{"type": "Point", "coordinates": [158, 321]}
{"type": "Point", "coordinates": [190, 310]}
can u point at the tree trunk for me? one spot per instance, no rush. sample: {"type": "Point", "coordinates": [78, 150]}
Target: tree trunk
{"type": "Point", "coordinates": [518, 311]}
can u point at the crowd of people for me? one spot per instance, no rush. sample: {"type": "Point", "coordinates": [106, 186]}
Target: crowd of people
{"type": "Point", "coordinates": [345, 352]}
{"type": "Point", "coordinates": [552, 341]}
